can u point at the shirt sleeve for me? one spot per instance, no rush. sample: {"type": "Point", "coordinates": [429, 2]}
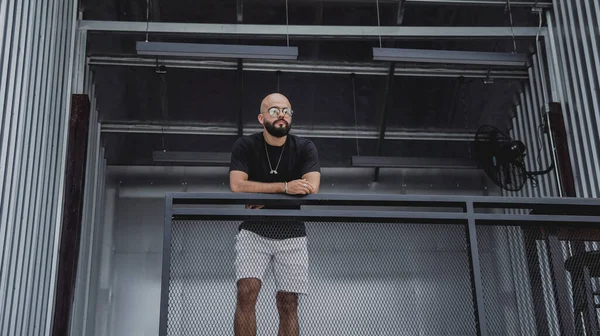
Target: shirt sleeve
{"type": "Point", "coordinates": [310, 159]}
{"type": "Point", "coordinates": [239, 156]}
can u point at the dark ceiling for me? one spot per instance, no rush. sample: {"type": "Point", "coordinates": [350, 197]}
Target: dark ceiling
{"type": "Point", "coordinates": [201, 97]}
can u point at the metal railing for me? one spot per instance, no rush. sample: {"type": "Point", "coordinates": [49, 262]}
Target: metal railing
{"type": "Point", "coordinates": [539, 231]}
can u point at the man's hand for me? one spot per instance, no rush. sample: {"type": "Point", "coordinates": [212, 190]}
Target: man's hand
{"type": "Point", "coordinates": [300, 187]}
{"type": "Point", "coordinates": [254, 206]}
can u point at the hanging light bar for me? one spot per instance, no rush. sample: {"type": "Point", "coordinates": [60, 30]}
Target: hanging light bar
{"type": "Point", "coordinates": [449, 57]}
{"type": "Point", "coordinates": [216, 50]}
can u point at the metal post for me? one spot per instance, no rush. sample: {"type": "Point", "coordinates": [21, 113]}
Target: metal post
{"type": "Point", "coordinates": [530, 236]}
{"type": "Point", "coordinates": [477, 286]}
{"type": "Point", "coordinates": [166, 266]}
{"type": "Point", "coordinates": [559, 280]}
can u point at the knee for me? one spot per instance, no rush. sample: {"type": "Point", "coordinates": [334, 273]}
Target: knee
{"type": "Point", "coordinates": [247, 293]}
{"type": "Point", "coordinates": [287, 303]}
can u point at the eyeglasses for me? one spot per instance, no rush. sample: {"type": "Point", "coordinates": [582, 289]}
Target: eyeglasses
{"type": "Point", "coordinates": [274, 111]}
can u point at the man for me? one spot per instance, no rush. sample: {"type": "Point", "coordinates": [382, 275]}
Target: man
{"type": "Point", "coordinates": [272, 161]}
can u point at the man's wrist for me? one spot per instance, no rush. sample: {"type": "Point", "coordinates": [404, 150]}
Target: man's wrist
{"type": "Point", "coordinates": [285, 187]}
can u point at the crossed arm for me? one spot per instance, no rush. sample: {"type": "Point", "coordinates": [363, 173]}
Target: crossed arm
{"type": "Point", "coordinates": [308, 184]}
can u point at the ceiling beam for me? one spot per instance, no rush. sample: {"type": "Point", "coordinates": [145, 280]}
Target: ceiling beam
{"type": "Point", "coordinates": [334, 133]}
{"type": "Point", "coordinates": [309, 31]}
{"type": "Point", "coordinates": [378, 69]}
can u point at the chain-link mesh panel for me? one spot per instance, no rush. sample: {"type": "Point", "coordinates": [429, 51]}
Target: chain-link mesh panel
{"type": "Point", "coordinates": [519, 284]}
{"type": "Point", "coordinates": [363, 279]}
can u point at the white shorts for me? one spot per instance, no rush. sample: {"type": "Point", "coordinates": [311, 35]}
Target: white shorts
{"type": "Point", "coordinates": [253, 253]}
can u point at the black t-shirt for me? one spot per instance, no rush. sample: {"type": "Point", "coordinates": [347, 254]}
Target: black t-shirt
{"type": "Point", "coordinates": [299, 157]}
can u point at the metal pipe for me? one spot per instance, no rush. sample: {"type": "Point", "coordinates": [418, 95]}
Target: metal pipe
{"type": "Point", "coordinates": [538, 80]}
{"type": "Point", "coordinates": [520, 135]}
{"type": "Point", "coordinates": [530, 132]}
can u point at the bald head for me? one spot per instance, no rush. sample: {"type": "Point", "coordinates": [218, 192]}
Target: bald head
{"type": "Point", "coordinates": [276, 115]}
{"type": "Point", "coordinates": [274, 100]}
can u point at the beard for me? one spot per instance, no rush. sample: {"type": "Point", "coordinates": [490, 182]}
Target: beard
{"type": "Point", "coordinates": [278, 131]}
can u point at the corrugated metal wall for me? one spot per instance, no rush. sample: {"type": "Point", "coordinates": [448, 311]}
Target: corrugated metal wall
{"type": "Point", "coordinates": [567, 72]}
{"type": "Point", "coordinates": [36, 49]}
{"type": "Point", "coordinates": [569, 62]}
{"type": "Point", "coordinates": [574, 62]}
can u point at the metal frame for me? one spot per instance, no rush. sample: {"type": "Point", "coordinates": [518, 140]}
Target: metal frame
{"type": "Point", "coordinates": [576, 212]}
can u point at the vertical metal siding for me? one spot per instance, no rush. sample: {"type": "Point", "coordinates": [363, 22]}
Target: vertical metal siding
{"type": "Point", "coordinates": [573, 39]}
{"type": "Point", "coordinates": [36, 49]}
{"type": "Point", "coordinates": [539, 82]}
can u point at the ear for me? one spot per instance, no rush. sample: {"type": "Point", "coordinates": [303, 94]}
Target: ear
{"type": "Point", "coordinates": [261, 119]}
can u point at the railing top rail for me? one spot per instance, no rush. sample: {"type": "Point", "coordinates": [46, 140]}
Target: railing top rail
{"type": "Point", "coordinates": [381, 199]}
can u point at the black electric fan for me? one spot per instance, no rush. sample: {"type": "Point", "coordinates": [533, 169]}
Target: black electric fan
{"type": "Point", "coordinates": [503, 159]}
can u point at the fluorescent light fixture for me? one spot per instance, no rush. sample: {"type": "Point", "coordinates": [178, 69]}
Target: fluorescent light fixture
{"type": "Point", "coordinates": [450, 57]}
{"type": "Point", "coordinates": [200, 158]}
{"type": "Point", "coordinates": [216, 50]}
{"type": "Point", "coordinates": [411, 162]}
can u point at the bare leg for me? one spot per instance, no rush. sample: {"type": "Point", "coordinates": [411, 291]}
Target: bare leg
{"type": "Point", "coordinates": [245, 309]}
{"type": "Point", "coordinates": [287, 305]}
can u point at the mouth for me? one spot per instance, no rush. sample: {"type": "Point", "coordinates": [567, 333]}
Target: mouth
{"type": "Point", "coordinates": [281, 122]}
